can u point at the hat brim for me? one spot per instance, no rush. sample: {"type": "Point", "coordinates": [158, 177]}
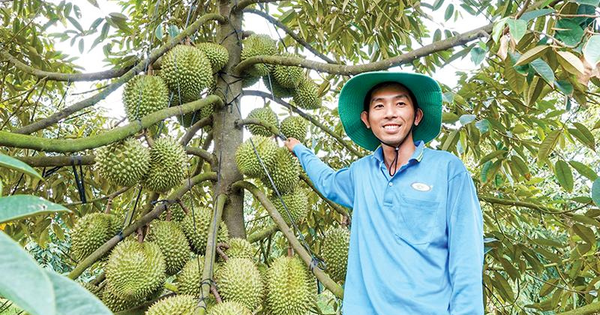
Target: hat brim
{"type": "Point", "coordinates": [424, 88]}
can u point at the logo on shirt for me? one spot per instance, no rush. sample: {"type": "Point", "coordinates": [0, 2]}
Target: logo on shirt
{"type": "Point", "coordinates": [420, 186]}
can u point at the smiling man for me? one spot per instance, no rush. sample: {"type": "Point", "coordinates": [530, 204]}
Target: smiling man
{"type": "Point", "coordinates": [416, 242]}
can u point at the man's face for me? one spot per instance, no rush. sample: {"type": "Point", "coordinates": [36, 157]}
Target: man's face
{"type": "Point", "coordinates": [391, 114]}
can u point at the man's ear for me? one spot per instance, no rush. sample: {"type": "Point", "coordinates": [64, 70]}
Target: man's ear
{"type": "Point", "coordinates": [418, 117]}
{"type": "Point", "coordinates": [364, 116]}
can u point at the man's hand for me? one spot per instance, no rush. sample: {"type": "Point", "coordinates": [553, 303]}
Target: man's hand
{"type": "Point", "coordinates": [290, 143]}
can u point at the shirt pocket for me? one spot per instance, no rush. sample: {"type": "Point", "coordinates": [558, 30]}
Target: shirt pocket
{"type": "Point", "coordinates": [416, 219]}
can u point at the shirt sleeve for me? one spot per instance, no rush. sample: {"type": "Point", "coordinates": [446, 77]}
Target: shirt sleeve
{"type": "Point", "coordinates": [465, 246]}
{"type": "Point", "coordinates": [334, 185]}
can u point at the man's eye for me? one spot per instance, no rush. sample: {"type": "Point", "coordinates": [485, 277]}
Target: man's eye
{"type": "Point", "coordinates": [377, 106]}
{"type": "Point", "coordinates": [400, 103]}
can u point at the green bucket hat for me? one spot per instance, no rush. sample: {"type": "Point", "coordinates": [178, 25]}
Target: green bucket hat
{"type": "Point", "coordinates": [351, 104]}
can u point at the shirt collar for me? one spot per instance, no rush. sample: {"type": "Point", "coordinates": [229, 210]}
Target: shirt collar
{"type": "Point", "coordinates": [417, 156]}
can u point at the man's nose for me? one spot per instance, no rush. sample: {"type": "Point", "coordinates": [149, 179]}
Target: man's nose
{"type": "Point", "coordinates": [390, 111]}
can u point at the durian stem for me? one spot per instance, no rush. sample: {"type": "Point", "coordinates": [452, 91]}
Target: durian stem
{"type": "Point", "coordinates": [339, 209]}
{"type": "Point", "coordinates": [183, 207]}
{"type": "Point", "coordinates": [306, 116]}
{"type": "Point", "coordinates": [205, 155]}
{"type": "Point", "coordinates": [384, 64]}
{"type": "Point", "coordinates": [191, 131]}
{"type": "Point", "coordinates": [43, 123]}
{"type": "Point", "coordinates": [74, 145]}
{"type": "Point", "coordinates": [214, 291]}
{"type": "Point", "coordinates": [244, 3]}
{"type": "Point", "coordinates": [256, 121]}
{"type": "Point", "coordinates": [262, 234]}
{"type": "Point", "coordinates": [112, 196]}
{"type": "Point", "coordinates": [211, 247]}
{"type": "Point", "coordinates": [335, 288]}
{"type": "Point", "coordinates": [171, 287]}
{"type": "Point", "coordinates": [158, 209]}
{"type": "Point", "coordinates": [221, 252]}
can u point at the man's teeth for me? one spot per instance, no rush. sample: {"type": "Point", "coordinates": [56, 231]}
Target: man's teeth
{"type": "Point", "coordinates": [391, 127]}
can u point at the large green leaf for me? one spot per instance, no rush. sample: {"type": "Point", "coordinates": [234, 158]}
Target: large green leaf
{"type": "Point", "coordinates": [517, 28]}
{"type": "Point", "coordinates": [548, 144]}
{"type": "Point", "coordinates": [596, 192]}
{"type": "Point", "coordinates": [584, 170]}
{"type": "Point", "coordinates": [544, 70]}
{"type": "Point", "coordinates": [23, 281]}
{"type": "Point", "coordinates": [535, 14]}
{"type": "Point", "coordinates": [73, 299]}
{"type": "Point", "coordinates": [532, 54]}
{"type": "Point", "coordinates": [570, 62]}
{"type": "Point", "coordinates": [12, 163]}
{"type": "Point", "coordinates": [564, 175]}
{"type": "Point", "coordinates": [584, 135]}
{"type": "Point", "coordinates": [569, 32]}
{"type": "Point", "coordinates": [21, 206]}
{"type": "Point", "coordinates": [591, 50]}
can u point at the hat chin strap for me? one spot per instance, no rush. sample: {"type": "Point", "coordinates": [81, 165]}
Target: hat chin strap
{"type": "Point", "coordinates": [393, 167]}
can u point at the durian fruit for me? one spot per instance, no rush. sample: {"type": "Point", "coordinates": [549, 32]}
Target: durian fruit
{"type": "Point", "coordinates": [257, 45]}
{"type": "Point", "coordinates": [268, 116]}
{"type": "Point", "coordinates": [135, 270]}
{"type": "Point", "coordinates": [174, 305]}
{"type": "Point", "coordinates": [191, 118]}
{"type": "Point", "coordinates": [335, 252]}
{"type": "Point", "coordinates": [92, 231]}
{"type": "Point", "coordinates": [306, 95]}
{"type": "Point", "coordinates": [296, 202]}
{"type": "Point", "coordinates": [94, 289]}
{"type": "Point", "coordinates": [143, 95]}
{"type": "Point", "coordinates": [217, 54]}
{"type": "Point", "coordinates": [276, 89]}
{"type": "Point", "coordinates": [172, 242]}
{"type": "Point", "coordinates": [288, 76]}
{"type": "Point", "coordinates": [124, 163]}
{"type": "Point", "coordinates": [239, 248]}
{"type": "Point", "coordinates": [229, 308]}
{"type": "Point", "coordinates": [186, 70]}
{"type": "Point", "coordinates": [177, 213]}
{"type": "Point", "coordinates": [188, 280]}
{"type": "Point", "coordinates": [246, 159]}
{"type": "Point", "coordinates": [294, 127]}
{"type": "Point", "coordinates": [114, 302]}
{"type": "Point", "coordinates": [284, 172]}
{"type": "Point", "coordinates": [249, 81]}
{"type": "Point", "coordinates": [289, 287]}
{"type": "Point", "coordinates": [239, 280]}
{"type": "Point", "coordinates": [196, 228]}
{"type": "Point", "coordinates": [167, 165]}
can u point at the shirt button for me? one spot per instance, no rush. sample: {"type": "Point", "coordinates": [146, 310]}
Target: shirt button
{"type": "Point", "coordinates": [391, 184]}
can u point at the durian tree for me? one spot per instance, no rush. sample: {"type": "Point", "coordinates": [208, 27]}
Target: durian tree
{"type": "Point", "coordinates": [173, 209]}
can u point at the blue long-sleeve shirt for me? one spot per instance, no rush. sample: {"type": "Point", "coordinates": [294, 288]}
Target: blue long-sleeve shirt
{"type": "Point", "coordinates": [416, 242]}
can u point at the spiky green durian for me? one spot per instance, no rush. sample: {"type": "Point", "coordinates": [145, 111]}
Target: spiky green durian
{"type": "Point", "coordinates": [249, 81]}
{"type": "Point", "coordinates": [276, 89]}
{"type": "Point", "coordinates": [306, 95]}
{"type": "Point", "coordinates": [196, 228]}
{"type": "Point", "coordinates": [296, 202]}
{"type": "Point", "coordinates": [217, 54]}
{"type": "Point", "coordinates": [114, 302]}
{"type": "Point", "coordinates": [289, 289]}
{"type": "Point", "coordinates": [167, 165]}
{"type": "Point", "coordinates": [143, 95]}
{"type": "Point", "coordinates": [174, 305]}
{"type": "Point", "coordinates": [229, 308]}
{"type": "Point", "coordinates": [246, 159]}
{"type": "Point", "coordinates": [266, 115]}
{"type": "Point", "coordinates": [187, 71]}
{"type": "Point", "coordinates": [335, 252]}
{"type": "Point", "coordinates": [135, 270]}
{"type": "Point", "coordinates": [177, 213]}
{"type": "Point", "coordinates": [294, 127]}
{"type": "Point", "coordinates": [94, 289]}
{"type": "Point", "coordinates": [124, 163]}
{"type": "Point", "coordinates": [172, 242]}
{"type": "Point", "coordinates": [239, 280]}
{"type": "Point", "coordinates": [188, 280]}
{"type": "Point", "coordinates": [288, 76]}
{"type": "Point", "coordinates": [92, 231]}
{"type": "Point", "coordinates": [239, 248]}
{"type": "Point", "coordinates": [284, 172]}
{"type": "Point", "coordinates": [257, 45]}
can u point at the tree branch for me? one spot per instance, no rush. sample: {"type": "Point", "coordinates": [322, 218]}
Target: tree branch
{"type": "Point", "coordinates": [339, 209]}
{"type": "Point", "coordinates": [74, 145]}
{"type": "Point", "coordinates": [189, 134]}
{"type": "Point", "coordinates": [517, 203]}
{"type": "Point", "coordinates": [378, 65]}
{"type": "Point", "coordinates": [293, 35]}
{"type": "Point", "coordinates": [43, 123]}
{"type": "Point", "coordinates": [70, 77]}
{"type": "Point", "coordinates": [46, 161]}
{"type": "Point", "coordinates": [244, 3]}
{"type": "Point", "coordinates": [306, 116]}
{"type": "Point", "coordinates": [158, 209]}
{"type": "Point", "coordinates": [335, 288]}
{"type": "Point", "coordinates": [255, 121]}
{"type": "Point", "coordinates": [262, 234]}
{"type": "Point", "coordinates": [204, 154]}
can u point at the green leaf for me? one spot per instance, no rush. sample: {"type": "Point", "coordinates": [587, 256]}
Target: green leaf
{"type": "Point", "coordinates": [570, 62]}
{"type": "Point", "coordinates": [596, 192]}
{"type": "Point", "coordinates": [81, 46]}
{"type": "Point", "coordinates": [584, 170]}
{"type": "Point", "coordinates": [483, 125]}
{"type": "Point", "coordinates": [491, 156]}
{"type": "Point", "coordinates": [23, 281]}
{"type": "Point", "coordinates": [527, 16]}
{"type": "Point", "coordinates": [94, 3]}
{"type": "Point", "coordinates": [564, 175]}
{"type": "Point", "coordinates": [565, 87]}
{"type": "Point", "coordinates": [437, 4]}
{"type": "Point", "coordinates": [585, 233]}
{"type": "Point", "coordinates": [585, 220]}
{"type": "Point", "coordinates": [477, 55]}
{"type": "Point", "coordinates": [14, 164]}
{"type": "Point", "coordinates": [593, 3]}
{"type": "Point", "coordinates": [548, 287]}
{"type": "Point", "coordinates": [73, 299]}
{"type": "Point", "coordinates": [548, 144]}
{"type": "Point", "coordinates": [547, 242]}
{"type": "Point", "coordinates": [158, 32]}
{"type": "Point", "coordinates": [173, 30]}
{"type": "Point", "coordinates": [591, 50]}
{"type": "Point", "coordinates": [466, 119]}
{"type": "Point", "coordinates": [532, 54]}
{"type": "Point", "coordinates": [21, 206]}
{"type": "Point", "coordinates": [449, 118]}
{"type": "Point", "coordinates": [517, 29]}
{"type": "Point", "coordinates": [104, 31]}
{"type": "Point", "coordinates": [75, 23]}
{"type": "Point", "coordinates": [449, 11]}
{"type": "Point", "coordinates": [587, 135]}
{"type": "Point", "coordinates": [498, 29]}
{"type": "Point", "coordinates": [118, 17]}
{"type": "Point", "coordinates": [544, 70]}
{"type": "Point", "coordinates": [569, 32]}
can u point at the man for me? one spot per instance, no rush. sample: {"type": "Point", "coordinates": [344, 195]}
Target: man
{"type": "Point", "coordinates": [416, 244]}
